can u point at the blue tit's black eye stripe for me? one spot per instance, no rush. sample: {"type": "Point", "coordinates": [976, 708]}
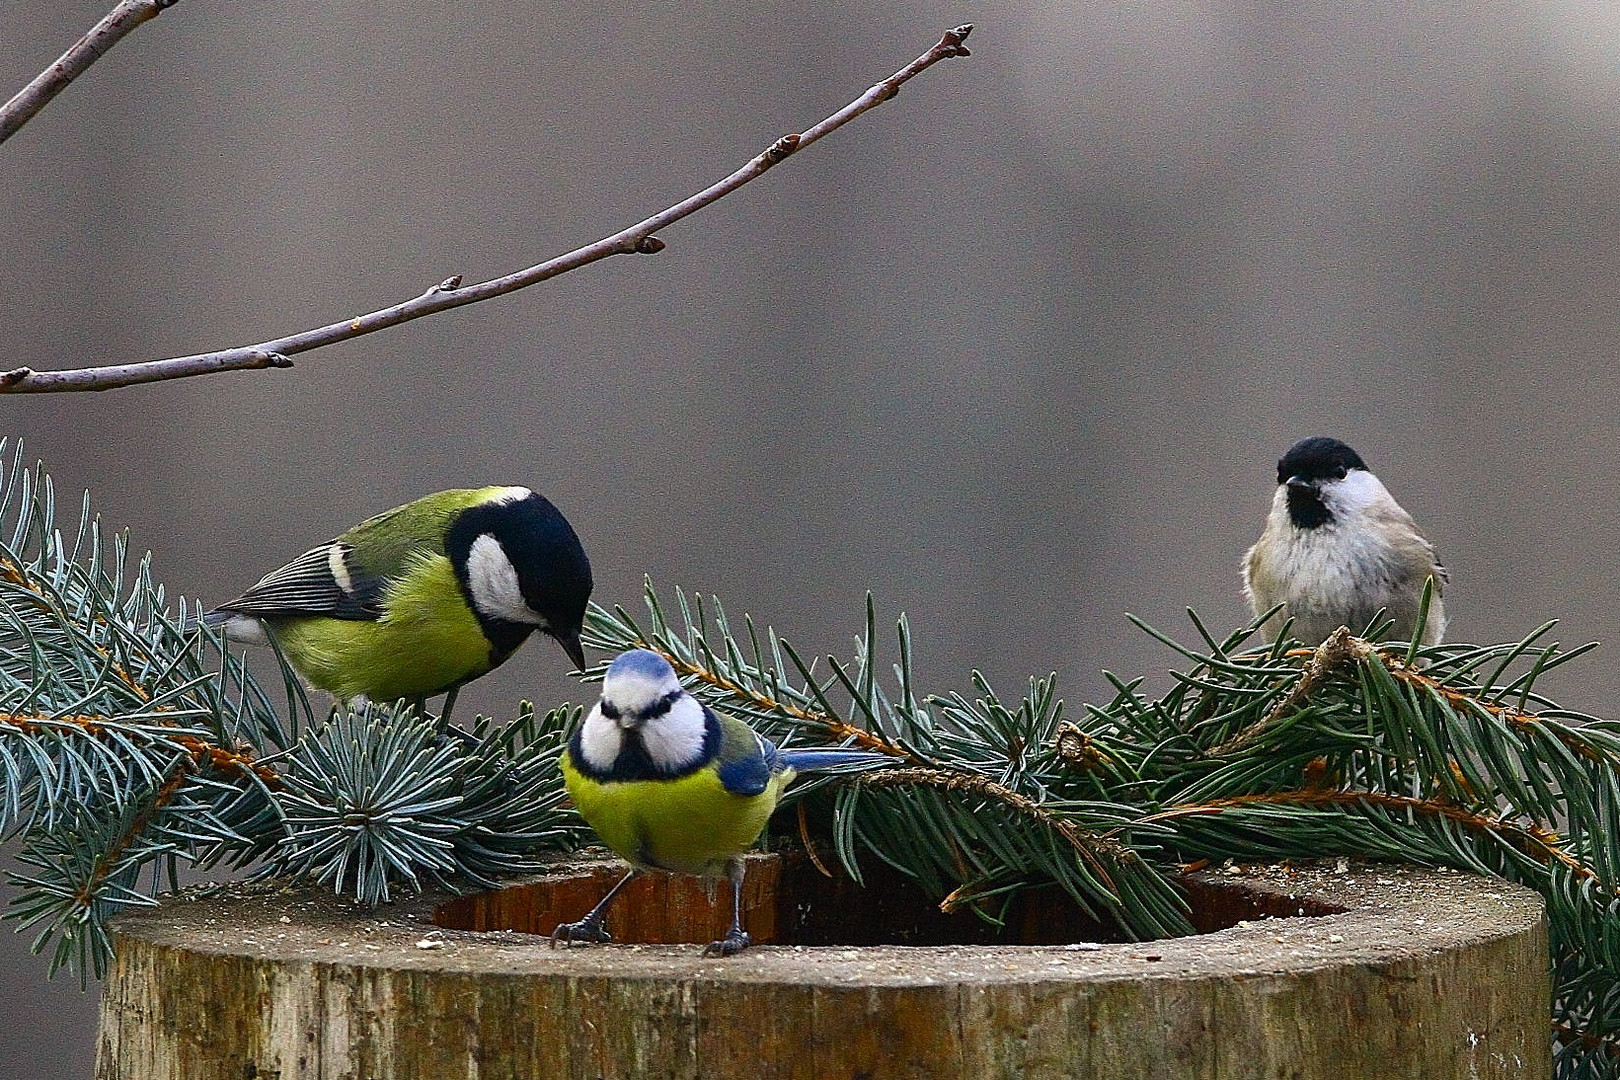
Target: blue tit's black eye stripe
{"type": "Point", "coordinates": [662, 705]}
{"type": "Point", "coordinates": [610, 710]}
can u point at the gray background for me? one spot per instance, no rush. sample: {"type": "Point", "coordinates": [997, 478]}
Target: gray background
{"type": "Point", "coordinates": [1017, 352]}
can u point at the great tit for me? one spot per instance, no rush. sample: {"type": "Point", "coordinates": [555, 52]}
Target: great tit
{"type": "Point", "coordinates": [423, 598]}
{"type": "Point", "coordinates": [1337, 549]}
{"type": "Point", "coordinates": [670, 784]}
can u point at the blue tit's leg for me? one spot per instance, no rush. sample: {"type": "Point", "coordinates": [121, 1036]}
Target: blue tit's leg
{"type": "Point", "coordinates": [736, 940]}
{"type": "Point", "coordinates": [592, 927]}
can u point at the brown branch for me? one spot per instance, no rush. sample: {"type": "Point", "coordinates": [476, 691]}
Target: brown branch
{"type": "Point", "coordinates": [126, 16]}
{"type": "Point", "coordinates": [1462, 701]}
{"type": "Point", "coordinates": [637, 239]}
{"type": "Point", "coordinates": [1339, 649]}
{"type": "Point", "coordinates": [203, 753]}
{"type": "Point", "coordinates": [86, 893]}
{"type": "Point", "coordinates": [1085, 843]}
{"type": "Point", "coordinates": [1535, 837]}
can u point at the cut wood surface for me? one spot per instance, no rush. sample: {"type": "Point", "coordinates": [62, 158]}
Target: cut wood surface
{"type": "Point", "coordinates": [1390, 972]}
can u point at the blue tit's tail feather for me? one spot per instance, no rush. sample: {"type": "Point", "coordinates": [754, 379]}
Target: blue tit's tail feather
{"type": "Point", "coordinates": [821, 760]}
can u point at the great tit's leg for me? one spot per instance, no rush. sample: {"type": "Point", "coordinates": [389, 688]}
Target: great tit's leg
{"type": "Point", "coordinates": [592, 927]}
{"type": "Point", "coordinates": [447, 730]}
{"type": "Point", "coordinates": [736, 940]}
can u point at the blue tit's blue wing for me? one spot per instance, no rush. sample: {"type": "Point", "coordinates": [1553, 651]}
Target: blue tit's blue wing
{"type": "Point", "coordinates": [746, 761]}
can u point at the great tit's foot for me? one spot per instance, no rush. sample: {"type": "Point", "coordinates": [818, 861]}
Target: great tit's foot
{"type": "Point", "coordinates": [733, 943]}
{"type": "Point", "coordinates": [454, 736]}
{"type": "Point", "coordinates": [586, 930]}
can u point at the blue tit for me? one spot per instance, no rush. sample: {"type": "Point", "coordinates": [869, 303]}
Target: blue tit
{"type": "Point", "coordinates": [1337, 549]}
{"type": "Point", "coordinates": [421, 599]}
{"type": "Point", "coordinates": [669, 784]}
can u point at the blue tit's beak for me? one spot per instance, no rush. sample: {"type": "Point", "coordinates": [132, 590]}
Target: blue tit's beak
{"type": "Point", "coordinates": [569, 640]}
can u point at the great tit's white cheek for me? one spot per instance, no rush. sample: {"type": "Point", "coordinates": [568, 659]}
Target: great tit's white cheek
{"type": "Point", "coordinates": [493, 582]}
{"type": "Point", "coordinates": [600, 740]}
{"type": "Point", "coordinates": [675, 740]}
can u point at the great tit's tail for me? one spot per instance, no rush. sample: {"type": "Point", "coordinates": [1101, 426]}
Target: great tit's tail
{"type": "Point", "coordinates": [824, 760]}
{"type": "Point", "coordinates": [234, 625]}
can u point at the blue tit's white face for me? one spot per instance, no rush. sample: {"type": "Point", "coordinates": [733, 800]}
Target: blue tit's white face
{"type": "Point", "coordinates": [643, 701]}
{"type": "Point", "coordinates": [492, 579]}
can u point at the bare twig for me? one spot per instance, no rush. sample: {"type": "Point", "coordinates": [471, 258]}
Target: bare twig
{"type": "Point", "coordinates": [123, 18]}
{"type": "Point", "coordinates": [637, 239]}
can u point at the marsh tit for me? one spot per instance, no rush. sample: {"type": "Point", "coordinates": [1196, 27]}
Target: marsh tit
{"type": "Point", "coordinates": [1337, 549]}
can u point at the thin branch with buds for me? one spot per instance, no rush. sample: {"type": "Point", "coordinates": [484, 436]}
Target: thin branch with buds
{"type": "Point", "coordinates": [126, 16]}
{"type": "Point", "coordinates": [637, 239]}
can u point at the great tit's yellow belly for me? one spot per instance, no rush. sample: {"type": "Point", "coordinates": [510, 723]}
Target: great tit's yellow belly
{"type": "Point", "coordinates": [427, 641]}
{"type": "Point", "coordinates": [690, 825]}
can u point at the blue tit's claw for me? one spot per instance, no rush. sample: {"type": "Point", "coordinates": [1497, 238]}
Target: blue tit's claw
{"type": "Point", "coordinates": [587, 931]}
{"type": "Point", "coordinates": [730, 945]}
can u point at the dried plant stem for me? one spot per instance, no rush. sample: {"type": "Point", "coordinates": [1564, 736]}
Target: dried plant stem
{"type": "Point", "coordinates": [124, 17]}
{"type": "Point", "coordinates": [451, 293]}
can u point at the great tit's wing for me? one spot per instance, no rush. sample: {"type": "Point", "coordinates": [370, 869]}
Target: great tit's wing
{"type": "Point", "coordinates": [746, 760]}
{"type": "Point", "coordinates": [346, 578]}
{"type": "Point", "coordinates": [324, 580]}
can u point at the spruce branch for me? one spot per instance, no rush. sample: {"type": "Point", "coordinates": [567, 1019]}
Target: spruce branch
{"type": "Point", "coordinates": [970, 818]}
{"type": "Point", "coordinates": [1339, 649]}
{"type": "Point", "coordinates": [132, 740]}
{"type": "Point", "coordinates": [450, 293]}
{"type": "Point", "coordinates": [129, 744]}
{"type": "Point", "coordinates": [113, 26]}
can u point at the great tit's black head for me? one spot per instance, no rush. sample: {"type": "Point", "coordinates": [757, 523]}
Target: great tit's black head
{"type": "Point", "coordinates": [1316, 459]}
{"type": "Point", "coordinates": [523, 568]}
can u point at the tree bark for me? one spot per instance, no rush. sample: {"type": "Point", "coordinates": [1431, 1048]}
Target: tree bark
{"type": "Point", "coordinates": [1390, 972]}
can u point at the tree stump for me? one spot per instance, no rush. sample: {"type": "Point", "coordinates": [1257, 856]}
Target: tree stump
{"type": "Point", "coordinates": [1370, 971]}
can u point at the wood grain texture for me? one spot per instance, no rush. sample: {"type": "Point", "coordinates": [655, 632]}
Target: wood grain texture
{"type": "Point", "coordinates": [1419, 974]}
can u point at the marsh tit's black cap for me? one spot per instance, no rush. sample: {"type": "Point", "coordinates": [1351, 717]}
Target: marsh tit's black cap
{"type": "Point", "coordinates": [1318, 458]}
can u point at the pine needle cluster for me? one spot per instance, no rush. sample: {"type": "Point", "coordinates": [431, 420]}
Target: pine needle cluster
{"type": "Point", "coordinates": [132, 742]}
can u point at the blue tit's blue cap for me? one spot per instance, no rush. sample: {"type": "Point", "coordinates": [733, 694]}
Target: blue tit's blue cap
{"type": "Point", "coordinates": [642, 663]}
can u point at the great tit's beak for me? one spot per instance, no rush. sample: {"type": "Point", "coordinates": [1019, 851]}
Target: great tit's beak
{"type": "Point", "coordinates": [569, 640]}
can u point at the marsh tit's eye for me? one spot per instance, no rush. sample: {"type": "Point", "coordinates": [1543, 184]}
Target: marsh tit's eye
{"type": "Point", "coordinates": [1340, 472]}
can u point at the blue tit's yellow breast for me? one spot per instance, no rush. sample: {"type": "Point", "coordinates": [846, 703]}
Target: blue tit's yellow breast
{"type": "Point", "coordinates": [427, 640]}
{"type": "Point", "coordinates": [689, 825]}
